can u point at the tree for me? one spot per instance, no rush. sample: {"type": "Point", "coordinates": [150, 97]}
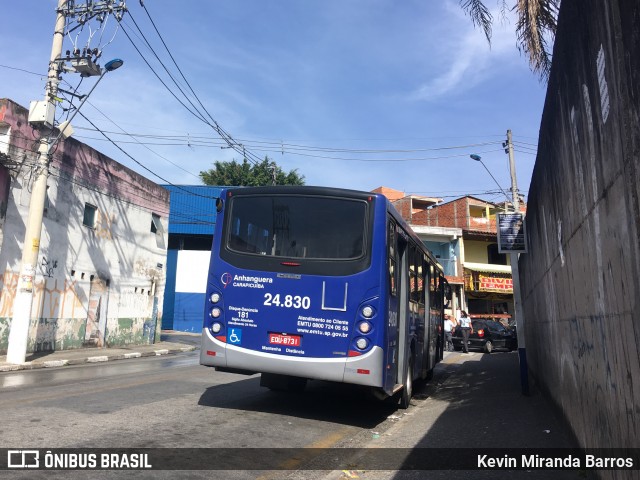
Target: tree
{"type": "Point", "coordinates": [246, 174]}
{"type": "Point", "coordinates": [536, 28]}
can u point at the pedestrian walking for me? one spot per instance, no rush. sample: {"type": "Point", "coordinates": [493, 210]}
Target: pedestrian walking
{"type": "Point", "coordinates": [449, 328]}
{"type": "Point", "coordinates": [465, 324]}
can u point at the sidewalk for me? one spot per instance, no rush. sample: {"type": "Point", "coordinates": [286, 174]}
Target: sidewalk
{"type": "Point", "coordinates": [474, 403]}
{"type": "Point", "coordinates": [478, 402]}
{"type": "Point", "coordinates": [171, 343]}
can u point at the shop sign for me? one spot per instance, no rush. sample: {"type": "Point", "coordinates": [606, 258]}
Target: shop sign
{"type": "Point", "coordinates": [495, 284]}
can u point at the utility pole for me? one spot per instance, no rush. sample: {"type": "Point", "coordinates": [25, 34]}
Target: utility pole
{"type": "Point", "coordinates": [515, 274]}
{"type": "Point", "coordinates": [45, 113]}
{"type": "Point", "coordinates": [19, 334]}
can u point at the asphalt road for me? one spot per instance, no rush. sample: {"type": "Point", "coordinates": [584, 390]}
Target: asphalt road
{"type": "Point", "coordinates": [172, 402]}
{"type": "Point", "coordinates": [159, 402]}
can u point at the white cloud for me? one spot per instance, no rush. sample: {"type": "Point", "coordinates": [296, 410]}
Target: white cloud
{"type": "Point", "coordinates": [467, 59]}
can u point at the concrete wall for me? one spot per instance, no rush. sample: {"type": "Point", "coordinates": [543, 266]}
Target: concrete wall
{"type": "Point", "coordinates": [581, 278]}
{"type": "Point", "coordinates": [99, 286]}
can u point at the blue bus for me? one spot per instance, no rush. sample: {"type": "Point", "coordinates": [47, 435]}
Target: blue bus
{"type": "Point", "coordinates": [321, 283]}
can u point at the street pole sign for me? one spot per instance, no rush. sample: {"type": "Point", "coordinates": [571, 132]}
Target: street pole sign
{"type": "Point", "coordinates": [511, 233]}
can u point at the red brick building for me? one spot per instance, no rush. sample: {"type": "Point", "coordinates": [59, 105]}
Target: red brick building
{"type": "Point", "coordinates": [474, 266]}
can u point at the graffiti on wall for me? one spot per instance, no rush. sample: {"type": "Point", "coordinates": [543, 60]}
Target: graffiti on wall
{"type": "Point", "coordinates": [48, 267]}
{"type": "Point", "coordinates": [69, 313]}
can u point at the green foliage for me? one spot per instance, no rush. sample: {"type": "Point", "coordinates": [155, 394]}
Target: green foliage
{"type": "Point", "coordinates": [247, 174]}
{"type": "Point", "coordinates": [535, 29]}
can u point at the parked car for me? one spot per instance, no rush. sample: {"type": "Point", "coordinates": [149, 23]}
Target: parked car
{"type": "Point", "coordinates": [487, 336]}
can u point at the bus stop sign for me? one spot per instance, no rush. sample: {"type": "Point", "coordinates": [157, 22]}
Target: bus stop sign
{"type": "Point", "coordinates": [511, 233]}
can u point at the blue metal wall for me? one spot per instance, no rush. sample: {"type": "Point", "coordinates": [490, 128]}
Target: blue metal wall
{"type": "Point", "coordinates": [192, 209]}
{"type": "Point", "coordinates": [187, 316]}
{"type": "Point", "coordinates": [192, 212]}
{"type": "Point", "coordinates": [169, 290]}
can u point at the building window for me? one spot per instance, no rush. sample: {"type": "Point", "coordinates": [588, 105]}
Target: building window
{"type": "Point", "coordinates": [495, 257]}
{"type": "Point", "coordinates": [89, 219]}
{"type": "Point", "coordinates": [156, 227]}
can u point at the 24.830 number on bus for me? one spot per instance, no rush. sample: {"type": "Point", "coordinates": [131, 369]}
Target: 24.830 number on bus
{"type": "Point", "coordinates": [289, 301]}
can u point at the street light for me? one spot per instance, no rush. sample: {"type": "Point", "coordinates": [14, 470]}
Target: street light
{"type": "Point", "coordinates": [478, 158]}
{"type": "Point", "coordinates": [65, 128]}
{"type": "Point", "coordinates": [23, 303]}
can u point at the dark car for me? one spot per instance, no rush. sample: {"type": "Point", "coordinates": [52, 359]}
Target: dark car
{"type": "Point", "coordinates": [488, 335]}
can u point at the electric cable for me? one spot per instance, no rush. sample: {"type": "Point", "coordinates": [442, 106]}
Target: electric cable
{"type": "Point", "coordinates": [139, 163]}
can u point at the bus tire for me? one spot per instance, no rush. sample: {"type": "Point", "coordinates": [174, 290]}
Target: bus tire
{"type": "Point", "coordinates": [407, 391]}
{"type": "Point", "coordinates": [429, 376]}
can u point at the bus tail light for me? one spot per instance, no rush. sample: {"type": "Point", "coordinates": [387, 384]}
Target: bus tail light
{"type": "Point", "coordinates": [367, 311]}
{"type": "Point", "coordinates": [216, 327]}
{"type": "Point", "coordinates": [364, 327]}
{"type": "Point", "coordinates": [216, 312]}
{"type": "Point", "coordinates": [215, 297]}
{"type": "Point", "coordinates": [362, 343]}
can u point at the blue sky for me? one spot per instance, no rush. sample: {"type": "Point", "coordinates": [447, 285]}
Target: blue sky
{"type": "Point", "coordinates": [352, 93]}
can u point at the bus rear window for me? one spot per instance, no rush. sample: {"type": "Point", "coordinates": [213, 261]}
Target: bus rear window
{"type": "Point", "coordinates": [295, 226]}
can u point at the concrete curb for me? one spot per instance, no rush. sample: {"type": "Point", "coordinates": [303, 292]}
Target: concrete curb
{"type": "Point", "coordinates": [94, 359]}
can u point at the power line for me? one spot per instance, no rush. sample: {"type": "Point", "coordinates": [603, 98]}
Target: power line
{"type": "Point", "coordinates": [142, 144]}
{"type": "Point", "coordinates": [23, 70]}
{"type": "Point", "coordinates": [231, 143]}
{"type": "Point", "coordinates": [296, 146]}
{"type": "Point", "coordinates": [141, 164]}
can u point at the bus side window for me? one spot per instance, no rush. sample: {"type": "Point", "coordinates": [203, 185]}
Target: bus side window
{"type": "Point", "coordinates": [437, 299]}
{"type": "Point", "coordinates": [422, 271]}
{"type": "Point", "coordinates": [432, 287]}
{"type": "Point", "coordinates": [392, 242]}
{"type": "Point", "coordinates": [413, 272]}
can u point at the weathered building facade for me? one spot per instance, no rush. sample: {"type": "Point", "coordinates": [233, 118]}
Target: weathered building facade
{"type": "Point", "coordinates": [101, 268]}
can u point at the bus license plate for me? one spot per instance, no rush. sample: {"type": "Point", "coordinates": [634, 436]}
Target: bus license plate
{"type": "Point", "coordinates": [284, 339]}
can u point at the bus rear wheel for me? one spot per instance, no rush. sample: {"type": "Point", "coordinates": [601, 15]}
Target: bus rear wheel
{"type": "Point", "coordinates": [407, 391]}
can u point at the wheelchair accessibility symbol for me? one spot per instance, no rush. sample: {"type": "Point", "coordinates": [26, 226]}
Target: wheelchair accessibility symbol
{"type": "Point", "coordinates": [235, 336]}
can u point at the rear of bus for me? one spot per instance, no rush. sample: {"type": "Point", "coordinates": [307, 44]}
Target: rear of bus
{"type": "Point", "coordinates": [295, 285]}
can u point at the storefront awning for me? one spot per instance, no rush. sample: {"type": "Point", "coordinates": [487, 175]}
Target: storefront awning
{"type": "Point", "coordinates": [486, 267]}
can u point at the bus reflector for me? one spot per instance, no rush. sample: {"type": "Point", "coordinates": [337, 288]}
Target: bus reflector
{"type": "Point", "coordinates": [362, 371]}
{"type": "Point", "coordinates": [290, 264]}
{"type": "Point", "coordinates": [353, 353]}
{"type": "Point", "coordinates": [222, 338]}
{"type": "Point", "coordinates": [211, 353]}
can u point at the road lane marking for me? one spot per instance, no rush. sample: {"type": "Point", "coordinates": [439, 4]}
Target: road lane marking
{"type": "Point", "coordinates": [295, 462]}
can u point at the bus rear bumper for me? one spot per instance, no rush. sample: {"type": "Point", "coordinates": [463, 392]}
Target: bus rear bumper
{"type": "Point", "coordinates": [366, 369]}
